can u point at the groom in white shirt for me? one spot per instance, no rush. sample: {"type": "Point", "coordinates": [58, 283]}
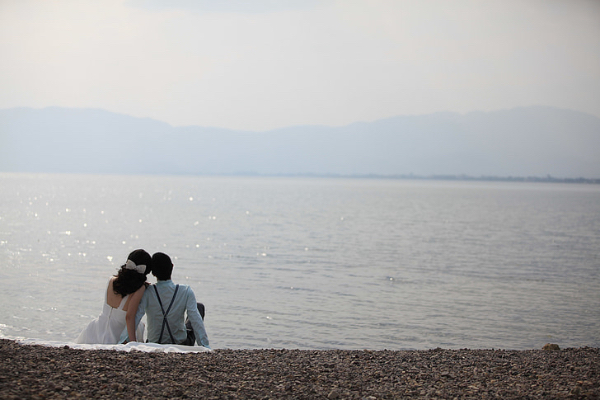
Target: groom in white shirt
{"type": "Point", "coordinates": [165, 305]}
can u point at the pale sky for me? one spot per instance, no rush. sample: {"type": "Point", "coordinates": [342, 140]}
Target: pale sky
{"type": "Point", "coordinates": [259, 65]}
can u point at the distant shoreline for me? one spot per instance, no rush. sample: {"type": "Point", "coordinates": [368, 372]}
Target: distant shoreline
{"type": "Point", "coordinates": [458, 178]}
{"type": "Point", "coordinates": [482, 178]}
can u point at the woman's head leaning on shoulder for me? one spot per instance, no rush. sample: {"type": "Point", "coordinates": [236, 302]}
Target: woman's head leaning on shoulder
{"type": "Point", "coordinates": [132, 274]}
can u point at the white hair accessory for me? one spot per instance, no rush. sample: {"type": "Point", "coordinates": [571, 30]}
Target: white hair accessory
{"type": "Point", "coordinates": [138, 268]}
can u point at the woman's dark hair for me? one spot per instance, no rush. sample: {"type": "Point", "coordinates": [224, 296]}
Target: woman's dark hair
{"type": "Point", "coordinates": [128, 280]}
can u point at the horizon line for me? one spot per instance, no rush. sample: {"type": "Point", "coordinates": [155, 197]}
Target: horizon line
{"type": "Point", "coordinates": [432, 177]}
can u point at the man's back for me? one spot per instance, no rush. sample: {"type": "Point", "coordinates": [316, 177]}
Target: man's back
{"type": "Point", "coordinates": [185, 300]}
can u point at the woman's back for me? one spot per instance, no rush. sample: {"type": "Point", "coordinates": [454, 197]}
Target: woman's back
{"type": "Point", "coordinates": [113, 299]}
{"type": "Point", "coordinates": [107, 328]}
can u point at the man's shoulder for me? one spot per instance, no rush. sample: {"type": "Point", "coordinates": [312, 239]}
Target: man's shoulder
{"type": "Point", "coordinates": [184, 287]}
{"type": "Point", "coordinates": [148, 290]}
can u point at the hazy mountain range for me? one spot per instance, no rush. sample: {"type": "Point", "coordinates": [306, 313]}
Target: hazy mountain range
{"type": "Point", "coordinates": [530, 141]}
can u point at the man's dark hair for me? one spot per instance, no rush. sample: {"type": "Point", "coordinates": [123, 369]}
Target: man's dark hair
{"type": "Point", "coordinates": [162, 267]}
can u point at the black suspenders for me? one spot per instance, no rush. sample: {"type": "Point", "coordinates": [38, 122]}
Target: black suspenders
{"type": "Point", "coordinates": [165, 315]}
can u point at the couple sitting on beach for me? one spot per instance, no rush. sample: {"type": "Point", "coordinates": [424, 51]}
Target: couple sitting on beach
{"type": "Point", "coordinates": [129, 297]}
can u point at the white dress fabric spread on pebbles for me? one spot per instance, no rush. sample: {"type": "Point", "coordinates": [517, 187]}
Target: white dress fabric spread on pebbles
{"type": "Point", "coordinates": [131, 346]}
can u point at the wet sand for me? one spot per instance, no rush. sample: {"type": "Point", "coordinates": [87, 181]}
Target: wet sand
{"type": "Point", "coordinates": [28, 371]}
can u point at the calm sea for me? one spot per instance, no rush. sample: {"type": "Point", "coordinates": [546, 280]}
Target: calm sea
{"type": "Point", "coordinates": [313, 263]}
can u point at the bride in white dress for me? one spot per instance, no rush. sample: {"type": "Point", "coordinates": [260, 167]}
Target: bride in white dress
{"type": "Point", "coordinates": [121, 301]}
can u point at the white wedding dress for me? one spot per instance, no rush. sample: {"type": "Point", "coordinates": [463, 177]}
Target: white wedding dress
{"type": "Point", "coordinates": [108, 327]}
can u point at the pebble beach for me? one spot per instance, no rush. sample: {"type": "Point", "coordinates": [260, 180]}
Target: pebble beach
{"type": "Point", "coordinates": [33, 371]}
